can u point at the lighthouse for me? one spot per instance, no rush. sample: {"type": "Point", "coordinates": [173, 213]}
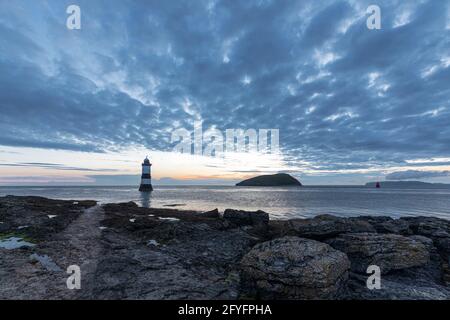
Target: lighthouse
{"type": "Point", "coordinates": [146, 178]}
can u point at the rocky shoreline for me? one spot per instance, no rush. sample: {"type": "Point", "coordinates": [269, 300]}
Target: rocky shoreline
{"type": "Point", "coordinates": [128, 252]}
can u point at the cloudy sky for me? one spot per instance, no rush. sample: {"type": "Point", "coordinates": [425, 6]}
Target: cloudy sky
{"type": "Point", "coordinates": [351, 104]}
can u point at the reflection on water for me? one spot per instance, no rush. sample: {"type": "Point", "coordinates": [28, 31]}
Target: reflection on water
{"type": "Point", "coordinates": [145, 199]}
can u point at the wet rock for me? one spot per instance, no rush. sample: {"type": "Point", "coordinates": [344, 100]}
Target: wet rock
{"type": "Point", "coordinates": [438, 230]}
{"type": "Point", "coordinates": [428, 226]}
{"type": "Point", "coordinates": [443, 247]}
{"type": "Point", "coordinates": [430, 272]}
{"type": "Point", "coordinates": [388, 251]}
{"type": "Point", "coordinates": [214, 214]}
{"type": "Point", "coordinates": [33, 212]}
{"type": "Point", "coordinates": [243, 218]}
{"type": "Point", "coordinates": [190, 261]}
{"type": "Point", "coordinates": [294, 268]}
{"type": "Point", "coordinates": [394, 287]}
{"type": "Point", "coordinates": [181, 254]}
{"type": "Point", "coordinates": [320, 227]}
{"type": "Point", "coordinates": [396, 226]}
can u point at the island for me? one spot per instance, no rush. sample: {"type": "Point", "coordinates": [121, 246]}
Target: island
{"type": "Point", "coordinates": [408, 185]}
{"type": "Point", "coordinates": [272, 180]}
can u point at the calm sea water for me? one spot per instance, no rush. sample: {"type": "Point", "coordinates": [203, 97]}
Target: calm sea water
{"type": "Point", "coordinates": [279, 202]}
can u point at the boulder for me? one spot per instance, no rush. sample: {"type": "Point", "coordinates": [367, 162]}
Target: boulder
{"type": "Point", "coordinates": [294, 268]}
{"type": "Point", "coordinates": [388, 251]}
{"type": "Point", "coordinates": [320, 227]}
{"type": "Point", "coordinates": [244, 218]}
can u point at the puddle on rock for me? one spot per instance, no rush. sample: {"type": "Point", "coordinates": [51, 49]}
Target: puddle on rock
{"type": "Point", "coordinates": [46, 262]}
{"type": "Point", "coordinates": [169, 219]}
{"type": "Point", "coordinates": [14, 243]}
{"type": "Point", "coordinates": [152, 243]}
{"type": "Point", "coordinates": [51, 216]}
{"type": "Point", "coordinates": [175, 205]}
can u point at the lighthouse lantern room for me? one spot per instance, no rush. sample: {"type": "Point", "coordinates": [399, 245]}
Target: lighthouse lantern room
{"type": "Point", "coordinates": [146, 178]}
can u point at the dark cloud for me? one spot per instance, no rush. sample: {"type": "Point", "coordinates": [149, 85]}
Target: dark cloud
{"type": "Point", "coordinates": [53, 166]}
{"type": "Point", "coordinates": [344, 97]}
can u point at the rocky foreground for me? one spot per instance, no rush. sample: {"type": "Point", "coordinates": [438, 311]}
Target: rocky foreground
{"type": "Point", "coordinates": [128, 252]}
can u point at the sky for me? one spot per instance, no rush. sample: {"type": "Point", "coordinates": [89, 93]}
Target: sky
{"type": "Point", "coordinates": [351, 104]}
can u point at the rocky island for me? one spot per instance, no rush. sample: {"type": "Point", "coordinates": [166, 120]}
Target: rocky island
{"type": "Point", "coordinates": [128, 252]}
{"type": "Point", "coordinates": [273, 180]}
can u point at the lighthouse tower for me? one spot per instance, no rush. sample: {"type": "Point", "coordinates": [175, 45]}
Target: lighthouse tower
{"type": "Point", "coordinates": [146, 178]}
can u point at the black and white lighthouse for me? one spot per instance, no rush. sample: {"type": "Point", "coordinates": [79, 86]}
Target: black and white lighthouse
{"type": "Point", "coordinates": [146, 178]}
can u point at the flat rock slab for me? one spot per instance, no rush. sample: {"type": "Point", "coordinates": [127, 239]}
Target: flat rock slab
{"type": "Point", "coordinates": [388, 251]}
{"type": "Point", "coordinates": [320, 227]}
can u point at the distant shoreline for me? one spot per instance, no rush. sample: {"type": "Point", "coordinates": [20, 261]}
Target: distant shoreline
{"type": "Point", "coordinates": [424, 186]}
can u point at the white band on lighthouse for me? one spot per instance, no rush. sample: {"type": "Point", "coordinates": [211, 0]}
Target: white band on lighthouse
{"type": "Point", "coordinates": [146, 177]}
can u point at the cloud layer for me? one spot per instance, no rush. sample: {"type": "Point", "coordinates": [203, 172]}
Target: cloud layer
{"type": "Point", "coordinates": [345, 98]}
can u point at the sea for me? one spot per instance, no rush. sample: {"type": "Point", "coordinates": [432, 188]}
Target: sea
{"type": "Point", "coordinates": [279, 202]}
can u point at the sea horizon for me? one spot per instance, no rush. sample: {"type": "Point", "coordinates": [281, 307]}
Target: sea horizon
{"type": "Point", "coordinates": [282, 202]}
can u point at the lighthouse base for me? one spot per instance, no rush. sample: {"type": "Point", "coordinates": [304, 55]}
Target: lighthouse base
{"type": "Point", "coordinates": [145, 188]}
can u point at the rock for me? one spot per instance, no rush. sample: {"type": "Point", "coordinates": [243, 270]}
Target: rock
{"type": "Point", "coordinates": [243, 218]}
{"type": "Point", "coordinates": [386, 224]}
{"type": "Point", "coordinates": [320, 227]}
{"type": "Point", "coordinates": [438, 230]}
{"type": "Point", "coordinates": [397, 226]}
{"type": "Point", "coordinates": [432, 272]}
{"type": "Point", "coordinates": [374, 219]}
{"type": "Point", "coordinates": [294, 268]}
{"type": "Point", "coordinates": [394, 288]}
{"type": "Point", "coordinates": [428, 226]}
{"type": "Point", "coordinates": [443, 247]}
{"type": "Point", "coordinates": [427, 242]}
{"type": "Point", "coordinates": [388, 251]}
{"type": "Point", "coordinates": [202, 256]}
{"type": "Point", "coordinates": [122, 209]}
{"type": "Point", "coordinates": [191, 260]}
{"type": "Point", "coordinates": [214, 214]}
{"type": "Point", "coordinates": [34, 212]}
